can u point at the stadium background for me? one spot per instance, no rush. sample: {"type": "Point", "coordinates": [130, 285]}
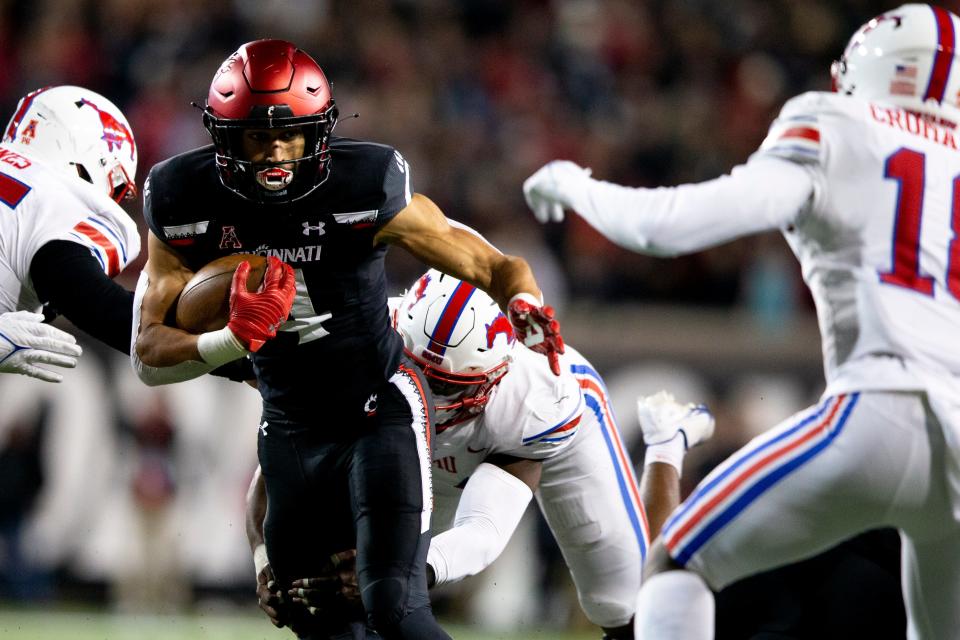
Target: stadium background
{"type": "Point", "coordinates": [116, 498]}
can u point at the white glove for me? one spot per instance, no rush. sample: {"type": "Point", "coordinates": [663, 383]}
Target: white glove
{"type": "Point", "coordinates": [26, 342]}
{"type": "Point", "coordinates": [552, 188]}
{"type": "Point", "coordinates": [662, 418]}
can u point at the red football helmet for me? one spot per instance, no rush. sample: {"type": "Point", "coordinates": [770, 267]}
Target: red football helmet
{"type": "Point", "coordinates": [270, 84]}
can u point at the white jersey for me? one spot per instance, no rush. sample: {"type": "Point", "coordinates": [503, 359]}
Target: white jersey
{"type": "Point", "coordinates": [38, 205]}
{"type": "Point", "coordinates": [866, 196]}
{"type": "Point", "coordinates": [531, 414]}
{"type": "Point", "coordinates": [588, 492]}
{"type": "Point", "coordinates": [877, 240]}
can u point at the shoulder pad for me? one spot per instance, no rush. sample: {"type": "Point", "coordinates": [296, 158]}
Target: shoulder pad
{"type": "Point", "coordinates": [795, 134]}
{"type": "Point", "coordinates": [546, 409]}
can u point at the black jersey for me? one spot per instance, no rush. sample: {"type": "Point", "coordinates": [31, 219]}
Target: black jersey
{"type": "Point", "coordinates": [339, 344]}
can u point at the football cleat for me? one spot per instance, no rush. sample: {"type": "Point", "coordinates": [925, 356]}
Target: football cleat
{"type": "Point", "coordinates": [662, 418]}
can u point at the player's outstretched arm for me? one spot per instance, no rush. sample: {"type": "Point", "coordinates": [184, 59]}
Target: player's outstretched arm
{"type": "Point", "coordinates": [72, 281]}
{"type": "Point", "coordinates": [423, 230]}
{"type": "Point", "coordinates": [488, 513]}
{"type": "Point", "coordinates": [269, 596]}
{"type": "Point", "coordinates": [26, 344]}
{"type": "Point", "coordinates": [766, 193]}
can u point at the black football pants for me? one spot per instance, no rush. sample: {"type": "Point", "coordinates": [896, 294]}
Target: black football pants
{"type": "Point", "coordinates": [357, 476]}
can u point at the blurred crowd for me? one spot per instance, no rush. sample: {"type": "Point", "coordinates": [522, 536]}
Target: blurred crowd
{"type": "Point", "coordinates": [477, 94]}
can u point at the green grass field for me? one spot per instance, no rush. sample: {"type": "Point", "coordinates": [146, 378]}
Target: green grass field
{"type": "Point", "coordinates": [37, 624]}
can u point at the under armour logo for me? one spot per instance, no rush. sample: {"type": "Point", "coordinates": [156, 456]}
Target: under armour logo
{"type": "Point", "coordinates": [263, 428]}
{"type": "Point", "coordinates": [307, 228]}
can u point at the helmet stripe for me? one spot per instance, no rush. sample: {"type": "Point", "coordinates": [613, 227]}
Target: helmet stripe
{"type": "Point", "coordinates": [943, 59]}
{"type": "Point", "coordinates": [448, 318]}
{"type": "Point", "coordinates": [17, 118]}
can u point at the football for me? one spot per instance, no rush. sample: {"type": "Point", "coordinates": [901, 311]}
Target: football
{"type": "Point", "coordinates": [204, 303]}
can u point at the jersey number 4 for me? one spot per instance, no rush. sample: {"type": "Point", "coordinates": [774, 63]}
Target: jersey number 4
{"type": "Point", "coordinates": [907, 167]}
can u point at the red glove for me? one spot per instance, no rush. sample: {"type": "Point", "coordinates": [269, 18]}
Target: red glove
{"type": "Point", "coordinates": [255, 317]}
{"type": "Point", "coordinates": [536, 328]}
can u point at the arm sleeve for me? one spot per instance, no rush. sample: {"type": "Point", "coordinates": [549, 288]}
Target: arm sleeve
{"type": "Point", "coordinates": [397, 189]}
{"type": "Point", "coordinates": [154, 376]}
{"type": "Point", "coordinates": [766, 193]}
{"type": "Point", "coordinates": [67, 276]}
{"type": "Point", "coordinates": [488, 513]}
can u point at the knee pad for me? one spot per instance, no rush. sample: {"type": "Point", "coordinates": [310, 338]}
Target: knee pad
{"type": "Point", "coordinates": [385, 602]}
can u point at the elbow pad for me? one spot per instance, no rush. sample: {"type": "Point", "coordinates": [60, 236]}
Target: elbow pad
{"type": "Point", "coordinates": [488, 513]}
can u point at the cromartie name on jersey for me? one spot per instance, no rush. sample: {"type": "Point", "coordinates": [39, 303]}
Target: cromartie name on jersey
{"type": "Point", "coordinates": [919, 125]}
{"type": "Point", "coordinates": [291, 255]}
{"type": "Point", "coordinates": [13, 159]}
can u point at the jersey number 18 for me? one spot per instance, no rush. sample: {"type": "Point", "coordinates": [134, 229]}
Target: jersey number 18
{"type": "Point", "coordinates": [907, 167]}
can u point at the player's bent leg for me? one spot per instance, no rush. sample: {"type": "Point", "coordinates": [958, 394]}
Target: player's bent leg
{"type": "Point", "coordinates": [819, 477]}
{"type": "Point", "coordinates": [930, 530]}
{"type": "Point", "coordinates": [390, 490]}
{"type": "Point", "coordinates": [931, 586]}
{"type": "Point", "coordinates": [295, 459]}
{"type": "Point", "coordinates": [589, 497]}
{"type": "Point", "coordinates": [674, 603]}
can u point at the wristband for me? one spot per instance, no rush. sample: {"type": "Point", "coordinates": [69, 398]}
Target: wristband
{"type": "Point", "coordinates": [260, 559]}
{"type": "Point", "coordinates": [529, 298]}
{"type": "Point", "coordinates": [670, 452]}
{"type": "Point", "coordinates": [220, 347]}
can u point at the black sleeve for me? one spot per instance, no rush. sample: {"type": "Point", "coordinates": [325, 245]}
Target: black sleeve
{"type": "Point", "coordinates": [397, 189]}
{"type": "Point", "coordinates": [150, 204]}
{"type": "Point", "coordinates": [70, 279]}
{"type": "Point", "coordinates": [67, 277]}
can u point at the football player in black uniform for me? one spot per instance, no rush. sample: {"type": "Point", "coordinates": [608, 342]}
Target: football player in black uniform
{"type": "Point", "coordinates": [344, 441]}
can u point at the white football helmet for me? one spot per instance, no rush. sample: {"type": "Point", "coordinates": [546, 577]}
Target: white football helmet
{"type": "Point", "coordinates": [904, 56]}
{"type": "Point", "coordinates": [81, 134]}
{"type": "Point", "coordinates": [460, 338]}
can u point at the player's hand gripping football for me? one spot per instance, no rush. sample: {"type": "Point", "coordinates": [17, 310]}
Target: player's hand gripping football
{"type": "Point", "coordinates": [535, 326]}
{"type": "Point", "coordinates": [255, 317]}
{"type": "Point", "coordinates": [553, 188]}
{"type": "Point", "coordinates": [25, 343]}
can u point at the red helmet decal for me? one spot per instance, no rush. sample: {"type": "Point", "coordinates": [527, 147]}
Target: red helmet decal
{"type": "Point", "coordinates": [499, 325]}
{"type": "Point", "coordinates": [114, 132]}
{"type": "Point", "coordinates": [421, 289]}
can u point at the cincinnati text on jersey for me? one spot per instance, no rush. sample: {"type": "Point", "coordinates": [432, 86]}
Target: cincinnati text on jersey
{"type": "Point", "coordinates": [291, 255]}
